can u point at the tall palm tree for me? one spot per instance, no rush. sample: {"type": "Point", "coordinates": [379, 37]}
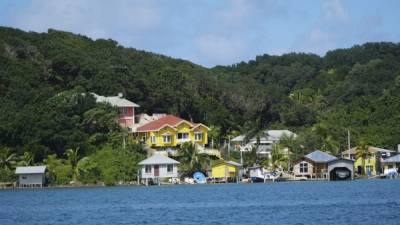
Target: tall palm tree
{"type": "Point", "coordinates": [73, 158]}
{"type": "Point", "coordinates": [278, 157]}
{"type": "Point", "coordinates": [328, 142]}
{"type": "Point", "coordinates": [27, 159]}
{"type": "Point", "coordinates": [214, 135]}
{"type": "Point", "coordinates": [7, 158]}
{"type": "Point", "coordinates": [362, 151]}
{"type": "Point", "coordinates": [191, 160]}
{"type": "Point", "coordinates": [293, 146]}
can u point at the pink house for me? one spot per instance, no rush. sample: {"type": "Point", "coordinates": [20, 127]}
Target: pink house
{"type": "Point", "coordinates": [126, 109]}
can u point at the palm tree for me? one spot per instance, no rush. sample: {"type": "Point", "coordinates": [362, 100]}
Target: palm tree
{"type": "Point", "coordinates": [328, 142]}
{"type": "Point", "coordinates": [73, 158]}
{"type": "Point", "coordinates": [27, 159]}
{"type": "Point", "coordinates": [7, 159]}
{"type": "Point", "coordinates": [191, 160]}
{"type": "Point", "coordinates": [214, 135]}
{"type": "Point", "coordinates": [293, 146]}
{"type": "Point", "coordinates": [278, 157]}
{"type": "Point", "coordinates": [362, 151]}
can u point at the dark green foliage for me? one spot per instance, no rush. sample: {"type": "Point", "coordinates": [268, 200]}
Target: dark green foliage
{"type": "Point", "coordinates": [46, 108]}
{"type": "Point", "coordinates": [112, 165]}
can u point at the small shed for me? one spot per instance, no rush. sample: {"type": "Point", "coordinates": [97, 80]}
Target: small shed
{"type": "Point", "coordinates": [158, 167]}
{"type": "Point", "coordinates": [341, 169]}
{"type": "Point", "coordinates": [228, 170]}
{"type": "Point", "coordinates": [31, 176]}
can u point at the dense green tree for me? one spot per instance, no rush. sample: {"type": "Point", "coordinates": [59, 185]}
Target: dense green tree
{"type": "Point", "coordinates": [73, 159]}
{"type": "Point", "coordinates": [191, 160]}
{"type": "Point", "coordinates": [46, 106]}
{"type": "Point", "coordinates": [278, 158]}
{"type": "Point", "coordinates": [7, 159]}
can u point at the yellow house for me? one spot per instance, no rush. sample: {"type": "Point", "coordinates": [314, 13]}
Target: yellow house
{"type": "Point", "coordinates": [225, 169]}
{"type": "Point", "coordinates": [373, 162]}
{"type": "Point", "coordinates": [172, 131]}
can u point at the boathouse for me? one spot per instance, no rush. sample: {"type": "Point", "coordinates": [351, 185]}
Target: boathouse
{"type": "Point", "coordinates": [341, 169]}
{"type": "Point", "coordinates": [321, 165]}
{"type": "Point", "coordinates": [157, 168]}
{"type": "Point", "coordinates": [31, 176]}
{"type": "Point", "coordinates": [225, 171]}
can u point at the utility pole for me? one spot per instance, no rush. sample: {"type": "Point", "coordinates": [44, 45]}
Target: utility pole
{"type": "Point", "coordinates": [123, 141]}
{"type": "Point", "coordinates": [229, 147]}
{"type": "Point", "coordinates": [241, 156]}
{"type": "Point", "coordinates": [348, 142]}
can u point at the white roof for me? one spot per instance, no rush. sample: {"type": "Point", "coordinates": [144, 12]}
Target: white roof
{"type": "Point", "coordinates": [272, 135]}
{"type": "Point", "coordinates": [30, 169]}
{"type": "Point", "coordinates": [371, 149]}
{"type": "Point", "coordinates": [238, 138]}
{"type": "Point", "coordinates": [115, 101]}
{"type": "Point", "coordinates": [233, 163]}
{"type": "Point", "coordinates": [278, 134]}
{"type": "Point", "coordinates": [157, 159]}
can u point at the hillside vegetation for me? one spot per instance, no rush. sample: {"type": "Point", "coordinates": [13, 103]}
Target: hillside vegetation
{"type": "Point", "coordinates": [43, 112]}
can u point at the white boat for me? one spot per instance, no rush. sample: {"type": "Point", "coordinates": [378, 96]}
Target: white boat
{"type": "Point", "coordinates": [257, 174]}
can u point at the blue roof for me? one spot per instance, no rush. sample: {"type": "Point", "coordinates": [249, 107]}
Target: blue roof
{"type": "Point", "coordinates": [320, 157]}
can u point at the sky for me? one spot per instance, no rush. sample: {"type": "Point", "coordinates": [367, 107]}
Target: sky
{"type": "Point", "coordinates": [214, 32]}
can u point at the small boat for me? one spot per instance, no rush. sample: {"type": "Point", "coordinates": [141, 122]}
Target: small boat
{"type": "Point", "coordinates": [257, 174]}
{"type": "Point", "coordinates": [342, 174]}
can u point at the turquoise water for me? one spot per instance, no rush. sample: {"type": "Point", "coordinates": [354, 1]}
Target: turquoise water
{"type": "Point", "coordinates": [357, 202]}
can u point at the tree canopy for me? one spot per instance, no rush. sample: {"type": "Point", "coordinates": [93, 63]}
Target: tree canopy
{"type": "Point", "coordinates": [45, 107]}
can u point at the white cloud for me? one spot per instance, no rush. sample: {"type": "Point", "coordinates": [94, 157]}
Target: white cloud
{"type": "Point", "coordinates": [238, 10]}
{"type": "Point", "coordinates": [94, 18]}
{"type": "Point", "coordinates": [334, 11]}
{"type": "Point", "coordinates": [334, 26]}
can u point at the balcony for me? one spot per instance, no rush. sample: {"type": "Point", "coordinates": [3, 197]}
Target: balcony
{"type": "Point", "coordinates": [180, 141]}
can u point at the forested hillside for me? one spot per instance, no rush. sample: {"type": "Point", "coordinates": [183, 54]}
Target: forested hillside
{"type": "Point", "coordinates": [42, 110]}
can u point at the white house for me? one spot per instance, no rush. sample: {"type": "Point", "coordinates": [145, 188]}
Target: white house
{"type": "Point", "coordinates": [158, 167]}
{"type": "Point", "coordinates": [126, 117]}
{"type": "Point", "coordinates": [264, 141]}
{"type": "Point", "coordinates": [31, 176]}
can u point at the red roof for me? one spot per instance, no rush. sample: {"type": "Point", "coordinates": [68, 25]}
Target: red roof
{"type": "Point", "coordinates": [158, 124]}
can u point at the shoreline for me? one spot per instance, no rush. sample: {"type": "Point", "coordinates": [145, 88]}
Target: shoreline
{"type": "Point", "coordinates": [180, 184]}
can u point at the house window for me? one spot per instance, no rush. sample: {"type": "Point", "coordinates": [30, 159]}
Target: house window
{"type": "Point", "coordinates": [303, 167]}
{"type": "Point", "coordinates": [153, 139]}
{"type": "Point", "coordinates": [182, 136]}
{"type": "Point", "coordinates": [167, 138]}
{"type": "Point", "coordinates": [198, 136]}
{"type": "Point", "coordinates": [24, 178]}
{"type": "Point", "coordinates": [147, 169]}
{"type": "Point", "coordinates": [123, 111]}
{"type": "Point", "coordinates": [144, 137]}
{"type": "Point", "coordinates": [170, 168]}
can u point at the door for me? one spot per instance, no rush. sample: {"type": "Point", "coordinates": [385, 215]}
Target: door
{"type": "Point", "coordinates": [156, 170]}
{"type": "Point", "coordinates": [359, 169]}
